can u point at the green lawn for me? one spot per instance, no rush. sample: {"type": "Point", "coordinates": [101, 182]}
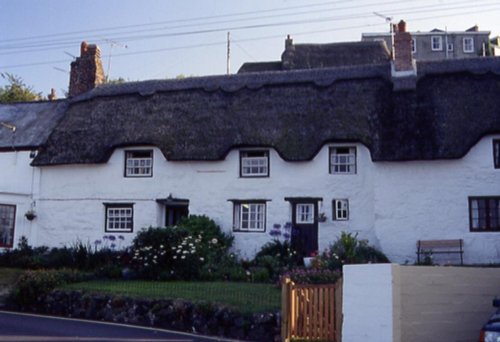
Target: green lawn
{"type": "Point", "coordinates": [246, 297]}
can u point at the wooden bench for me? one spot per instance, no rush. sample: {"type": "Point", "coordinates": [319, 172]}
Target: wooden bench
{"type": "Point", "coordinates": [440, 247]}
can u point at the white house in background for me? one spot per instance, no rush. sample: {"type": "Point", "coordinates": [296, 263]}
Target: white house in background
{"type": "Point", "coordinates": [392, 150]}
{"type": "Point", "coordinates": [23, 128]}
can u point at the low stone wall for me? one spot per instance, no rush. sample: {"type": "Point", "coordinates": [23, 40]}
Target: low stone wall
{"type": "Point", "coordinates": [200, 318]}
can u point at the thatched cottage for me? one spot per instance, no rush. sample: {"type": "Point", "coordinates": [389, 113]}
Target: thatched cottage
{"type": "Point", "coordinates": [332, 138]}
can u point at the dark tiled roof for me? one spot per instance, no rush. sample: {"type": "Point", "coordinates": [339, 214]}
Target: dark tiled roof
{"type": "Point", "coordinates": [33, 122]}
{"type": "Point", "coordinates": [453, 105]}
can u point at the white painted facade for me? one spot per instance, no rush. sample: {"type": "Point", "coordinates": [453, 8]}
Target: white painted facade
{"type": "Point", "coordinates": [392, 204]}
{"type": "Point", "coordinates": [19, 183]}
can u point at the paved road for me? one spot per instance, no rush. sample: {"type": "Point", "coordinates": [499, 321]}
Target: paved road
{"type": "Point", "coordinates": [17, 327]}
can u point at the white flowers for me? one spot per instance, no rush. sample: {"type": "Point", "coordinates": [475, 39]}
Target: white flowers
{"type": "Point", "coordinates": [202, 259]}
{"type": "Point", "coordinates": [214, 241]}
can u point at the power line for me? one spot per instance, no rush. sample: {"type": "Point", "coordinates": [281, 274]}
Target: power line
{"type": "Point", "coordinates": [177, 20]}
{"type": "Point", "coordinates": [192, 46]}
{"type": "Point", "coordinates": [409, 10]}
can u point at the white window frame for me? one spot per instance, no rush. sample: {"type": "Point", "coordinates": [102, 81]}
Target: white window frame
{"type": "Point", "coordinates": [468, 44]}
{"type": "Point", "coordinates": [343, 163]}
{"type": "Point", "coordinates": [249, 216]}
{"type": "Point", "coordinates": [7, 225]}
{"type": "Point", "coordinates": [450, 47]}
{"type": "Point", "coordinates": [119, 218]}
{"type": "Point", "coordinates": [254, 163]}
{"type": "Point", "coordinates": [496, 153]}
{"type": "Point", "coordinates": [138, 165]}
{"type": "Point", "coordinates": [436, 43]}
{"type": "Point", "coordinates": [413, 45]}
{"type": "Point", "coordinates": [340, 209]}
{"type": "Point", "coordinates": [304, 213]}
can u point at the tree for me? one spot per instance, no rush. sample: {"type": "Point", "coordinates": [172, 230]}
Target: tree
{"type": "Point", "coordinates": [17, 90]}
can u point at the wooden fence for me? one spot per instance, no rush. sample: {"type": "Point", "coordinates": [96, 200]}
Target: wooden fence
{"type": "Point", "coordinates": [311, 312]}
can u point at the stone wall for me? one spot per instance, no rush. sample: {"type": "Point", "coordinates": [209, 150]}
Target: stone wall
{"type": "Point", "coordinates": [199, 318]}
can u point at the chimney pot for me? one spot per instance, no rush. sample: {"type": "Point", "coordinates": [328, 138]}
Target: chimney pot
{"type": "Point", "coordinates": [288, 42]}
{"type": "Point", "coordinates": [83, 48]}
{"type": "Point", "coordinates": [52, 96]}
{"type": "Point", "coordinates": [402, 26]}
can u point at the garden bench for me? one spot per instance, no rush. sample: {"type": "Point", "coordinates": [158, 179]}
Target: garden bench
{"type": "Point", "coordinates": [440, 247]}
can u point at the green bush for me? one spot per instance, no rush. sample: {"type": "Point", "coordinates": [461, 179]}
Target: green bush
{"type": "Point", "coordinates": [79, 256]}
{"type": "Point", "coordinates": [349, 250]}
{"type": "Point", "coordinates": [277, 257]}
{"type": "Point", "coordinates": [31, 286]}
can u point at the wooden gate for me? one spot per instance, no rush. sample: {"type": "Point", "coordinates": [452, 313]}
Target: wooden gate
{"type": "Point", "coordinates": [311, 312]}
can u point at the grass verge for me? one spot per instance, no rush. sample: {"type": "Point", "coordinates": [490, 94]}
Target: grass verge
{"type": "Point", "coordinates": [245, 297]}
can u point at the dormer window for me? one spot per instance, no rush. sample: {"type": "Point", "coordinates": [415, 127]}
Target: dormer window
{"type": "Point", "coordinates": [139, 163]}
{"type": "Point", "coordinates": [254, 163]}
{"type": "Point", "coordinates": [343, 160]}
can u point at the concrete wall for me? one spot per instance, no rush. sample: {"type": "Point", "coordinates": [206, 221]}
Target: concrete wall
{"type": "Point", "coordinates": [446, 303]}
{"type": "Point", "coordinates": [367, 303]}
{"type": "Point", "coordinates": [413, 303]}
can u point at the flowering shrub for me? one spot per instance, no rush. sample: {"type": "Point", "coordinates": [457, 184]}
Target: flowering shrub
{"type": "Point", "coordinates": [312, 276]}
{"type": "Point", "coordinates": [182, 251]}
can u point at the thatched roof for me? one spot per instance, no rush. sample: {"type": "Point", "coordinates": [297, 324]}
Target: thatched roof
{"type": "Point", "coordinates": [25, 126]}
{"type": "Point", "coordinates": [313, 56]}
{"type": "Point", "coordinates": [453, 105]}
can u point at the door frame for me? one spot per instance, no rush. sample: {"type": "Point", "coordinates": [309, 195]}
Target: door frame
{"type": "Point", "coordinates": [308, 243]}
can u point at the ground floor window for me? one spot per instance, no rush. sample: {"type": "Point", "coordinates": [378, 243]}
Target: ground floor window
{"type": "Point", "coordinates": [7, 223]}
{"type": "Point", "coordinates": [249, 216]}
{"type": "Point", "coordinates": [119, 217]}
{"type": "Point", "coordinates": [340, 209]}
{"type": "Point", "coordinates": [484, 214]}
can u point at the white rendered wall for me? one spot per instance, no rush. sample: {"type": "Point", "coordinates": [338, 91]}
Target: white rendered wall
{"type": "Point", "coordinates": [367, 303]}
{"type": "Point", "coordinates": [429, 200]}
{"type": "Point", "coordinates": [391, 204]}
{"type": "Point", "coordinates": [72, 197]}
{"type": "Point", "coordinates": [18, 182]}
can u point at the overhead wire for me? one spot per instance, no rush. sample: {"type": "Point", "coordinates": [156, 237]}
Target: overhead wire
{"type": "Point", "coordinates": [199, 45]}
{"type": "Point", "coordinates": [39, 43]}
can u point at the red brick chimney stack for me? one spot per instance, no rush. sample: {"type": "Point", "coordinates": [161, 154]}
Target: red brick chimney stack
{"type": "Point", "coordinates": [86, 71]}
{"type": "Point", "coordinates": [403, 60]}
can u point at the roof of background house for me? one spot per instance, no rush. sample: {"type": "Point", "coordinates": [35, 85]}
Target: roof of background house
{"type": "Point", "coordinates": [33, 122]}
{"type": "Point", "coordinates": [454, 104]}
{"type": "Point", "coordinates": [312, 56]}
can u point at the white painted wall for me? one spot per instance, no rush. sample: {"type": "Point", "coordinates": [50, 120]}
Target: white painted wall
{"type": "Point", "coordinates": [429, 200]}
{"type": "Point", "coordinates": [391, 204]}
{"type": "Point", "coordinates": [18, 182]}
{"type": "Point", "coordinates": [367, 303]}
{"type": "Point", "coordinates": [72, 197]}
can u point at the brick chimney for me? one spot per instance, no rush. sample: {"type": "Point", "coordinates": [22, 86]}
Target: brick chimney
{"type": "Point", "coordinates": [403, 60]}
{"type": "Point", "coordinates": [86, 70]}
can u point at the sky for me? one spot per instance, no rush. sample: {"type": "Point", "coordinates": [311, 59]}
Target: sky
{"type": "Point", "coordinates": [157, 39]}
